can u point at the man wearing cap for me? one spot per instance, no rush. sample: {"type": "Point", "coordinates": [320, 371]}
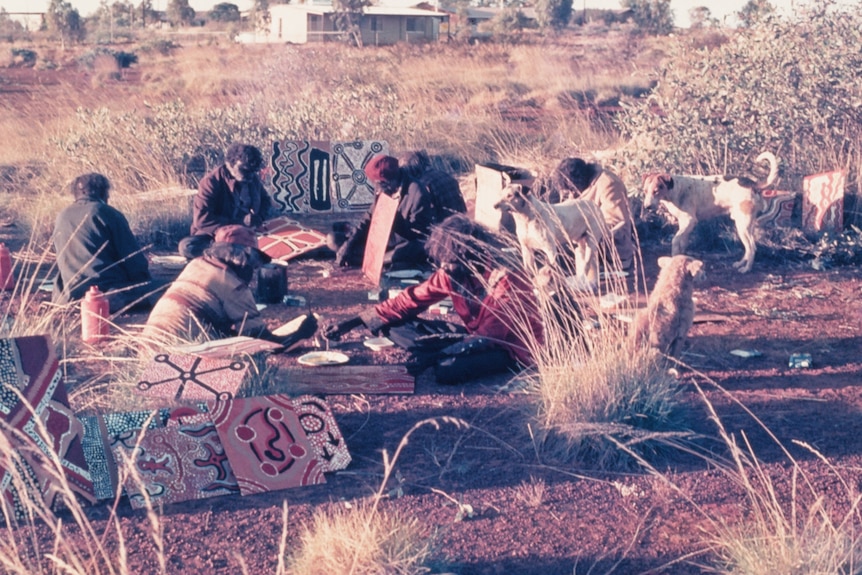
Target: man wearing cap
{"type": "Point", "coordinates": [414, 217]}
{"type": "Point", "coordinates": [212, 293]}
{"type": "Point", "coordinates": [230, 194]}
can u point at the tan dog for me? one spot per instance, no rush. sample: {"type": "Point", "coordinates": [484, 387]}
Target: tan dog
{"type": "Point", "coordinates": [541, 226]}
{"type": "Point", "coordinates": [693, 198]}
{"type": "Point", "coordinates": [670, 312]}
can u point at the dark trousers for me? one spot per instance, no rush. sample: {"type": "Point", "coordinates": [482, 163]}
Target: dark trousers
{"type": "Point", "coordinates": [427, 340]}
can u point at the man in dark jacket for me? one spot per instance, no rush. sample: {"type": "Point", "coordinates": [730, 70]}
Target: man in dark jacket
{"type": "Point", "coordinates": [96, 247]}
{"type": "Point", "coordinates": [415, 215]}
{"type": "Point", "coordinates": [445, 189]}
{"type": "Point", "coordinates": [229, 194]}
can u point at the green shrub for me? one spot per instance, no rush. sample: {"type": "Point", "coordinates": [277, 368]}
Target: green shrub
{"type": "Point", "coordinates": [161, 46]}
{"type": "Point", "coordinates": [764, 89]}
{"type": "Point", "coordinates": [23, 57]}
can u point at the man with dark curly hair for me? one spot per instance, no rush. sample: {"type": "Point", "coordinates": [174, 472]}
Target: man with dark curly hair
{"type": "Point", "coordinates": [96, 247]}
{"type": "Point", "coordinates": [230, 194]}
{"type": "Point", "coordinates": [489, 293]}
{"type": "Point", "coordinates": [445, 190]}
{"type": "Point", "coordinates": [576, 178]}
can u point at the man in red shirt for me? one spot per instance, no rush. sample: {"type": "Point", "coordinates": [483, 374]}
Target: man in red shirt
{"type": "Point", "coordinates": [490, 295]}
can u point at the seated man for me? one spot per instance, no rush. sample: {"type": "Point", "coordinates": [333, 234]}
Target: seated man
{"type": "Point", "coordinates": [96, 247]}
{"type": "Point", "coordinates": [500, 328]}
{"type": "Point", "coordinates": [212, 294]}
{"type": "Point", "coordinates": [574, 178]}
{"type": "Point", "coordinates": [230, 194]}
{"type": "Point", "coordinates": [414, 217]}
{"type": "Point", "coordinates": [445, 189]}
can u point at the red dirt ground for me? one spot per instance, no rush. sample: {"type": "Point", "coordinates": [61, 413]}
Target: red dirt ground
{"type": "Point", "coordinates": [533, 515]}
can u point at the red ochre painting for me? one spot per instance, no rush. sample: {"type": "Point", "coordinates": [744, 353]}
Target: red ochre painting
{"type": "Point", "coordinates": [320, 427]}
{"type": "Point", "coordinates": [823, 202]}
{"type": "Point", "coordinates": [182, 461]}
{"type": "Point", "coordinates": [284, 239]}
{"type": "Point", "coordinates": [266, 444]}
{"type": "Point", "coordinates": [183, 377]}
{"type": "Point", "coordinates": [35, 408]}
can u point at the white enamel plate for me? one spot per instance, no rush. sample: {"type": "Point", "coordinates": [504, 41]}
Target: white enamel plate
{"type": "Point", "coordinates": [318, 358]}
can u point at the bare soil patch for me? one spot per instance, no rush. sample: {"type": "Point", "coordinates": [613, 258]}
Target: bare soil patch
{"type": "Point", "coordinates": [532, 515]}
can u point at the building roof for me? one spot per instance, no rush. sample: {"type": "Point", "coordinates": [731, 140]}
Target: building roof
{"type": "Point", "coordinates": [321, 9]}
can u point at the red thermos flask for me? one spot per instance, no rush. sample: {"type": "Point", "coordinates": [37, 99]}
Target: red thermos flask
{"type": "Point", "coordinates": [7, 278]}
{"type": "Point", "coordinates": [95, 310]}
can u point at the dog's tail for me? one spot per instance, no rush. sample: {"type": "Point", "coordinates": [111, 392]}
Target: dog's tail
{"type": "Point", "coordinates": [773, 169]}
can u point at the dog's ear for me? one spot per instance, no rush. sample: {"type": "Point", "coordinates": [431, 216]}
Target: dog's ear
{"type": "Point", "coordinates": [666, 180]}
{"type": "Point", "coordinates": [694, 267]}
{"type": "Point", "coordinates": [664, 261]}
{"type": "Point", "coordinates": [518, 190]}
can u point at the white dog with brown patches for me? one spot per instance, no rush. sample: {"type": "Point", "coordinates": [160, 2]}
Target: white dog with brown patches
{"type": "Point", "coordinates": [543, 227]}
{"type": "Point", "coordinates": [693, 198]}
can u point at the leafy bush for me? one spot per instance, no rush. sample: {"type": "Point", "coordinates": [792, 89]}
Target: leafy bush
{"type": "Point", "coordinates": [163, 47]}
{"type": "Point", "coordinates": [553, 13]}
{"type": "Point", "coordinates": [23, 57]}
{"type": "Point", "coordinates": [125, 59]}
{"type": "Point", "coordinates": [764, 89]}
{"type": "Point", "coordinates": [651, 16]}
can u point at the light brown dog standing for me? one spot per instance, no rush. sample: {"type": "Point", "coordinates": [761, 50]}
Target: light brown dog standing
{"type": "Point", "coordinates": [670, 312]}
{"type": "Point", "coordinates": [545, 227]}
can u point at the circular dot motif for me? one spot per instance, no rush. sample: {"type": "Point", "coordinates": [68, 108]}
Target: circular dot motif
{"type": "Point", "coordinates": [245, 433]}
{"type": "Point", "coordinates": [275, 414]}
{"type": "Point", "coordinates": [268, 469]}
{"type": "Point", "coordinates": [297, 451]}
{"type": "Point", "coordinates": [311, 423]}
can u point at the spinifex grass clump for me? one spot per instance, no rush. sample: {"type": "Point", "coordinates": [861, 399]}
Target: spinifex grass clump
{"type": "Point", "coordinates": [363, 541]}
{"type": "Point", "coordinates": [795, 526]}
{"type": "Point", "coordinates": [367, 539]}
{"type": "Point", "coordinates": [592, 387]}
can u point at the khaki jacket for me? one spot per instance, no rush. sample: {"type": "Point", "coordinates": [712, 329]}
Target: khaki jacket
{"type": "Point", "coordinates": [208, 295]}
{"type": "Point", "coordinates": [609, 193]}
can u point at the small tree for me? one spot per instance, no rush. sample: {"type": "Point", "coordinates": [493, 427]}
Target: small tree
{"type": "Point", "coordinates": [10, 30]}
{"type": "Point", "coordinates": [755, 11]}
{"type": "Point", "coordinates": [64, 21]}
{"type": "Point", "coordinates": [507, 22]}
{"type": "Point", "coordinates": [180, 13]}
{"type": "Point", "coordinates": [553, 14]}
{"type": "Point", "coordinates": [225, 12]}
{"type": "Point", "coordinates": [147, 13]}
{"type": "Point", "coordinates": [348, 14]}
{"type": "Point", "coordinates": [260, 17]}
{"type": "Point", "coordinates": [651, 16]}
{"type": "Point", "coordinates": [700, 17]}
